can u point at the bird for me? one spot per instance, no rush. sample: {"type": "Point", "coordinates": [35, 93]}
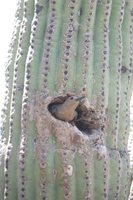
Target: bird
{"type": "Point", "coordinates": [66, 111]}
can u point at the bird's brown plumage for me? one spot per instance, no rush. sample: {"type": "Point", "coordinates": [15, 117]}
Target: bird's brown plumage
{"type": "Point", "coordinates": [66, 111]}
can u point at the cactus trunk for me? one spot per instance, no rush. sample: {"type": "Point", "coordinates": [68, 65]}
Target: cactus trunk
{"type": "Point", "coordinates": [82, 47]}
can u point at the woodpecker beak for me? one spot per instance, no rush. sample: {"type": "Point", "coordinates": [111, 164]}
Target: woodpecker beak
{"type": "Point", "coordinates": [80, 98]}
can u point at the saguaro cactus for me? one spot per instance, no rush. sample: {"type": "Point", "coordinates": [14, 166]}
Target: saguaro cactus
{"type": "Point", "coordinates": [61, 48]}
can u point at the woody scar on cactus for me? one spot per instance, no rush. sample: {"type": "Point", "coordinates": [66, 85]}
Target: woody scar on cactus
{"type": "Point", "coordinates": [64, 49]}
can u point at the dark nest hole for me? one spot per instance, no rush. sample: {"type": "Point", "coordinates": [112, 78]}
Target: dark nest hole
{"type": "Point", "coordinates": [87, 118]}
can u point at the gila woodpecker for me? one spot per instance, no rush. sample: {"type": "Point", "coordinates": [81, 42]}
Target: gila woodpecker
{"type": "Point", "coordinates": [67, 110]}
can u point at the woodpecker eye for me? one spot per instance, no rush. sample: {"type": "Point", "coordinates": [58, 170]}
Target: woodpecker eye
{"type": "Point", "coordinates": [71, 98]}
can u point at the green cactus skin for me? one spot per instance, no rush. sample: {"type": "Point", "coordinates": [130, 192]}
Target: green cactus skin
{"type": "Point", "coordinates": [61, 46]}
{"type": "Point", "coordinates": [130, 149]}
{"type": "Point", "coordinates": [9, 82]}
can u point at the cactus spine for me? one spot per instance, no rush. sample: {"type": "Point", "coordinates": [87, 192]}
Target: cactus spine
{"type": "Point", "coordinates": [61, 46]}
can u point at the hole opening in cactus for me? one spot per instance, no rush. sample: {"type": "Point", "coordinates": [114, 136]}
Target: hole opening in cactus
{"type": "Point", "coordinates": [86, 117]}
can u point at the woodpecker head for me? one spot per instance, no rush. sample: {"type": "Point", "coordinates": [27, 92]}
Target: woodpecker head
{"type": "Point", "coordinates": [69, 105]}
{"type": "Point", "coordinates": [73, 101]}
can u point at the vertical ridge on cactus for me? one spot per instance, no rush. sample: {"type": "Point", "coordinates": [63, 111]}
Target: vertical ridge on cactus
{"type": "Point", "coordinates": [9, 71]}
{"type": "Point", "coordinates": [15, 117]}
{"type": "Point", "coordinates": [62, 48]}
{"type": "Point", "coordinates": [84, 56]}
